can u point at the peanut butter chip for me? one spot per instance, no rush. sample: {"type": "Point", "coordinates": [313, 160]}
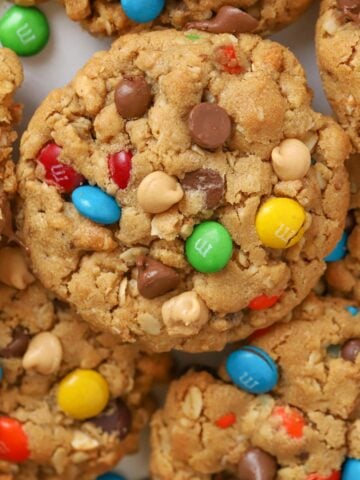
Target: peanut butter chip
{"type": "Point", "coordinates": [44, 354]}
{"type": "Point", "coordinates": [291, 160]}
{"type": "Point", "coordinates": [132, 97]}
{"type": "Point", "coordinates": [14, 271]}
{"type": "Point", "coordinates": [227, 20]}
{"type": "Point", "coordinates": [209, 125]}
{"type": "Point", "coordinates": [155, 278]}
{"type": "Point", "coordinates": [185, 314]}
{"type": "Point", "coordinates": [158, 192]}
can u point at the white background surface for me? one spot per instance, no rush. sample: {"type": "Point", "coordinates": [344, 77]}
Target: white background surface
{"type": "Point", "coordinates": [70, 47]}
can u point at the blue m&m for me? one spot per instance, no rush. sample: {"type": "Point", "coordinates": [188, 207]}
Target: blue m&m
{"type": "Point", "coordinates": [142, 11]}
{"type": "Point", "coordinates": [111, 476]}
{"type": "Point", "coordinates": [339, 251]}
{"type": "Point", "coordinates": [252, 370]}
{"type": "Point", "coordinates": [351, 469]}
{"type": "Point", "coordinates": [98, 206]}
{"type": "Point", "coordinates": [353, 310]}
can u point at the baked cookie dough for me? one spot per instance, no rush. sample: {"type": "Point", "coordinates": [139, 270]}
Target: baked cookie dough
{"type": "Point", "coordinates": [169, 193]}
{"type": "Point", "coordinates": [343, 273]}
{"type": "Point", "coordinates": [72, 401]}
{"type": "Point", "coordinates": [338, 40]}
{"type": "Point", "coordinates": [301, 429]}
{"type": "Point", "coordinates": [11, 76]}
{"type": "Point", "coordinates": [109, 17]}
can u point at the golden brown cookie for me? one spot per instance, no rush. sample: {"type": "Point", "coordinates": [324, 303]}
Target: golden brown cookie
{"type": "Point", "coordinates": [301, 427]}
{"type": "Point", "coordinates": [72, 401]}
{"type": "Point", "coordinates": [337, 40]}
{"type": "Point", "coordinates": [169, 192]}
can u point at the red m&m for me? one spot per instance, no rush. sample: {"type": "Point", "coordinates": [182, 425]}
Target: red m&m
{"type": "Point", "coordinates": [120, 167]}
{"type": "Point", "coordinates": [13, 441]}
{"type": "Point", "coordinates": [262, 302]}
{"type": "Point", "coordinates": [56, 173]}
{"type": "Point", "coordinates": [292, 421]}
{"type": "Point", "coordinates": [336, 475]}
{"type": "Point", "coordinates": [226, 420]}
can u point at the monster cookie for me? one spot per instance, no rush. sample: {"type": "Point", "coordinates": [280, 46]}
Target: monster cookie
{"type": "Point", "coordinates": [282, 415]}
{"type": "Point", "coordinates": [11, 76]}
{"type": "Point", "coordinates": [343, 267]}
{"type": "Point", "coordinates": [72, 401]}
{"type": "Point", "coordinates": [169, 190]}
{"type": "Point", "coordinates": [112, 17]}
{"type": "Point", "coordinates": [338, 37]}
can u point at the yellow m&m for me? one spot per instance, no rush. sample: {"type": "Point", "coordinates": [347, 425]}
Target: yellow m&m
{"type": "Point", "coordinates": [280, 222]}
{"type": "Point", "coordinates": [83, 394]}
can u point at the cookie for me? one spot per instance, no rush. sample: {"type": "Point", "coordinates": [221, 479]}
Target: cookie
{"type": "Point", "coordinates": [343, 271]}
{"type": "Point", "coordinates": [169, 192]}
{"type": "Point", "coordinates": [11, 76]}
{"type": "Point", "coordinates": [286, 407]}
{"type": "Point", "coordinates": [72, 401]}
{"type": "Point", "coordinates": [108, 17]}
{"type": "Point", "coordinates": [337, 40]}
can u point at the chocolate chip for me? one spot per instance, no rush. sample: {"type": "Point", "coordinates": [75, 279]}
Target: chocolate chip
{"type": "Point", "coordinates": [209, 125]}
{"type": "Point", "coordinates": [18, 345]}
{"type": "Point", "coordinates": [350, 221]}
{"type": "Point", "coordinates": [208, 181]}
{"type": "Point", "coordinates": [227, 20]}
{"type": "Point", "coordinates": [155, 278]}
{"type": "Point", "coordinates": [117, 418]}
{"type": "Point", "coordinates": [132, 97]}
{"type": "Point", "coordinates": [350, 9]}
{"type": "Point", "coordinates": [257, 465]}
{"type": "Point", "coordinates": [351, 349]}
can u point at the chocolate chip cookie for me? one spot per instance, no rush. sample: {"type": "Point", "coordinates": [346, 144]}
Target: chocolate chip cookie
{"type": "Point", "coordinates": [180, 191]}
{"type": "Point", "coordinates": [72, 401]}
{"type": "Point", "coordinates": [11, 76]}
{"type": "Point", "coordinates": [286, 407]}
{"type": "Point", "coordinates": [337, 38]}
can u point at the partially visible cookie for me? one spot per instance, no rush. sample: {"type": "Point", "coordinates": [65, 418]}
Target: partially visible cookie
{"type": "Point", "coordinates": [72, 401]}
{"type": "Point", "coordinates": [180, 192]}
{"type": "Point", "coordinates": [286, 408]}
{"type": "Point", "coordinates": [11, 76]}
{"type": "Point", "coordinates": [338, 50]}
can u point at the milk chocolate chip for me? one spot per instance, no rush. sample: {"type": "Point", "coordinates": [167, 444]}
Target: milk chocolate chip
{"type": "Point", "coordinates": [210, 182]}
{"type": "Point", "coordinates": [351, 9]}
{"type": "Point", "coordinates": [257, 465]}
{"type": "Point", "coordinates": [227, 20]}
{"type": "Point", "coordinates": [209, 125]}
{"type": "Point", "coordinates": [155, 278]}
{"type": "Point", "coordinates": [117, 418]}
{"type": "Point", "coordinates": [132, 97]}
{"type": "Point", "coordinates": [18, 345]}
{"type": "Point", "coordinates": [351, 349]}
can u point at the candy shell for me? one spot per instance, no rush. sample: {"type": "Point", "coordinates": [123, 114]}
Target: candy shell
{"type": "Point", "coordinates": [120, 167]}
{"type": "Point", "coordinates": [353, 310]}
{"type": "Point", "coordinates": [142, 11]}
{"type": "Point", "coordinates": [252, 370]}
{"type": "Point", "coordinates": [13, 441]}
{"type": "Point", "coordinates": [339, 251]}
{"type": "Point", "coordinates": [96, 205]}
{"type": "Point", "coordinates": [263, 301]}
{"type": "Point", "coordinates": [111, 476]}
{"type": "Point", "coordinates": [351, 469]}
{"type": "Point", "coordinates": [292, 421]}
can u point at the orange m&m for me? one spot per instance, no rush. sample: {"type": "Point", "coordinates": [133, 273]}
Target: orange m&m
{"type": "Point", "coordinates": [13, 441]}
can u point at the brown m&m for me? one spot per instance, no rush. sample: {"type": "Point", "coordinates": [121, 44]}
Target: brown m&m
{"type": "Point", "coordinates": [209, 125]}
{"type": "Point", "coordinates": [351, 349]}
{"type": "Point", "coordinates": [227, 20]}
{"type": "Point", "coordinates": [116, 419]}
{"type": "Point", "coordinates": [256, 464]}
{"type": "Point", "coordinates": [209, 182]}
{"type": "Point", "coordinates": [155, 278]}
{"type": "Point", "coordinates": [132, 97]}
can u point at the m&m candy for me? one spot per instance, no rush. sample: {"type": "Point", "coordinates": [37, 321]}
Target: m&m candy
{"type": "Point", "coordinates": [263, 301]}
{"type": "Point", "coordinates": [353, 310]}
{"type": "Point", "coordinates": [142, 11]}
{"type": "Point", "coordinates": [252, 370]}
{"type": "Point", "coordinates": [83, 394]}
{"type": "Point", "coordinates": [98, 206]}
{"type": "Point", "coordinates": [335, 475]}
{"type": "Point", "coordinates": [13, 441]}
{"type": "Point", "coordinates": [209, 247]}
{"type": "Point", "coordinates": [351, 469]}
{"type": "Point", "coordinates": [63, 176]}
{"type": "Point", "coordinates": [292, 421]}
{"type": "Point", "coordinates": [280, 222]}
{"type": "Point", "coordinates": [120, 167]}
{"type": "Point", "coordinates": [25, 30]}
{"type": "Point", "coordinates": [111, 476]}
{"type": "Point", "coordinates": [339, 251]}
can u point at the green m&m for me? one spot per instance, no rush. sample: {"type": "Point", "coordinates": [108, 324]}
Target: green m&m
{"type": "Point", "coordinates": [209, 247]}
{"type": "Point", "coordinates": [25, 30]}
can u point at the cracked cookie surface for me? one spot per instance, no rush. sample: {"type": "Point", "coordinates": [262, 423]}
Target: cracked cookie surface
{"type": "Point", "coordinates": [11, 76]}
{"type": "Point", "coordinates": [142, 277]}
{"type": "Point", "coordinates": [42, 342]}
{"type": "Point", "coordinates": [338, 51]}
{"type": "Point", "coordinates": [301, 430]}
